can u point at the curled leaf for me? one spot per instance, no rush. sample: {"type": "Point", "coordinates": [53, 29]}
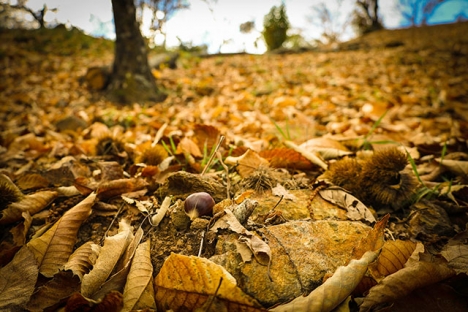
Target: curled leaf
{"type": "Point", "coordinates": [32, 203]}
{"type": "Point", "coordinates": [392, 258]}
{"type": "Point", "coordinates": [335, 289]}
{"type": "Point", "coordinates": [83, 259]}
{"type": "Point", "coordinates": [113, 248]}
{"type": "Point", "coordinates": [140, 275]}
{"type": "Point", "coordinates": [404, 281]}
{"type": "Point", "coordinates": [54, 247]}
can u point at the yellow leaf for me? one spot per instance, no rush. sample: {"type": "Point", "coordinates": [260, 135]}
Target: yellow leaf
{"type": "Point", "coordinates": [186, 282]}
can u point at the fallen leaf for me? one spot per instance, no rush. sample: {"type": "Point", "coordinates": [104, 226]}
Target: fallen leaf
{"type": "Point", "coordinates": [247, 163]}
{"type": "Point", "coordinates": [186, 282]}
{"type": "Point", "coordinates": [328, 148]}
{"type": "Point", "coordinates": [404, 281]}
{"type": "Point", "coordinates": [279, 190]}
{"type": "Point", "coordinates": [374, 240]}
{"type": "Point", "coordinates": [32, 203]}
{"type": "Point", "coordinates": [60, 287]}
{"type": "Point", "coordinates": [392, 258]}
{"type": "Point", "coordinates": [54, 247]}
{"type": "Point", "coordinates": [18, 279]}
{"type": "Point", "coordinates": [139, 276]}
{"type": "Point", "coordinates": [356, 210]}
{"type": "Point", "coordinates": [117, 281]}
{"type": "Point", "coordinates": [335, 289]}
{"type": "Point", "coordinates": [111, 251]}
{"type": "Point", "coordinates": [83, 259]}
{"type": "Point", "coordinates": [456, 252]}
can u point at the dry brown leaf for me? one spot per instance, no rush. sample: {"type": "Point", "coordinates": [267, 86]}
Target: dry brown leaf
{"type": "Point", "coordinates": [310, 156]}
{"type": "Point", "coordinates": [112, 302]}
{"type": "Point", "coordinates": [456, 252]}
{"type": "Point", "coordinates": [206, 136]}
{"type": "Point", "coordinates": [17, 280]}
{"type": "Point", "coordinates": [392, 258]}
{"type": "Point", "coordinates": [258, 247]}
{"type": "Point", "coordinates": [10, 191]}
{"type": "Point", "coordinates": [404, 281]}
{"type": "Point", "coordinates": [117, 280]}
{"type": "Point", "coordinates": [247, 163]}
{"type": "Point", "coordinates": [457, 167]}
{"type": "Point", "coordinates": [32, 203]}
{"type": "Point", "coordinates": [374, 241]}
{"type": "Point", "coordinates": [186, 282]}
{"type": "Point", "coordinates": [83, 259]}
{"type": "Point", "coordinates": [356, 210]}
{"type": "Point", "coordinates": [60, 287]}
{"type": "Point", "coordinates": [32, 181]}
{"type": "Point", "coordinates": [335, 289]}
{"type": "Point", "coordinates": [54, 247]}
{"type": "Point", "coordinates": [20, 231]}
{"type": "Point", "coordinates": [286, 158]}
{"type": "Point", "coordinates": [113, 248]}
{"type": "Point", "coordinates": [279, 190]}
{"type": "Point", "coordinates": [188, 146]}
{"type": "Point", "coordinates": [139, 276]}
{"type": "Point", "coordinates": [109, 189]}
{"type": "Point", "coordinates": [328, 148]}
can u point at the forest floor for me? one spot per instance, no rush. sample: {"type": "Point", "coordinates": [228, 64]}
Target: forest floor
{"type": "Point", "coordinates": [384, 117]}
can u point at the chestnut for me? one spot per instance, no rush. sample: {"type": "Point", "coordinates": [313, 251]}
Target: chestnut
{"type": "Point", "coordinates": [198, 205]}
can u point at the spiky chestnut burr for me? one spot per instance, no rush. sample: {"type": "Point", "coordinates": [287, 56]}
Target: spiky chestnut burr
{"type": "Point", "coordinates": [384, 180]}
{"type": "Point", "coordinates": [378, 180]}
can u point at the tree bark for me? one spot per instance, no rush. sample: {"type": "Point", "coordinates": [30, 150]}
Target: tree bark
{"type": "Point", "coordinates": [131, 79]}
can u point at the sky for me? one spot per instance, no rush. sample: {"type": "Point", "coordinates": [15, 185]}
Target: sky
{"type": "Point", "coordinates": [217, 24]}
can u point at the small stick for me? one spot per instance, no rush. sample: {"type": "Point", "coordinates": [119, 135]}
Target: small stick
{"type": "Point", "coordinates": [201, 243]}
{"type": "Point", "coordinates": [110, 225]}
{"type": "Point", "coordinates": [221, 139]}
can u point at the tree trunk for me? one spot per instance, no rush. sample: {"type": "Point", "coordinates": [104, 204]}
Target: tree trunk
{"type": "Point", "coordinates": [131, 79]}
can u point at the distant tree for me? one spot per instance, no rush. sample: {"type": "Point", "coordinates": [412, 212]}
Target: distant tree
{"type": "Point", "coordinates": [418, 12]}
{"type": "Point", "coordinates": [161, 11]}
{"type": "Point", "coordinates": [329, 17]}
{"type": "Point", "coordinates": [275, 27]}
{"type": "Point", "coordinates": [247, 27]}
{"type": "Point", "coordinates": [366, 17]}
{"type": "Point", "coordinates": [131, 79]}
{"type": "Point", "coordinates": [38, 15]}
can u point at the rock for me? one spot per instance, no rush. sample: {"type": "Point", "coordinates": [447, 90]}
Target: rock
{"type": "Point", "coordinates": [302, 253]}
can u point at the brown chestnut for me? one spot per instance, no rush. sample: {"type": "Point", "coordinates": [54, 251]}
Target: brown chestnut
{"type": "Point", "coordinates": [198, 205]}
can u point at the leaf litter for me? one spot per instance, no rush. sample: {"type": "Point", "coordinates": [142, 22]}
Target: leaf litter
{"type": "Point", "coordinates": [82, 177]}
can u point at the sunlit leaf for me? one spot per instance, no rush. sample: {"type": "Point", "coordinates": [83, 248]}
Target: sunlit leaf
{"type": "Point", "coordinates": [177, 288]}
{"type": "Point", "coordinates": [335, 289]}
